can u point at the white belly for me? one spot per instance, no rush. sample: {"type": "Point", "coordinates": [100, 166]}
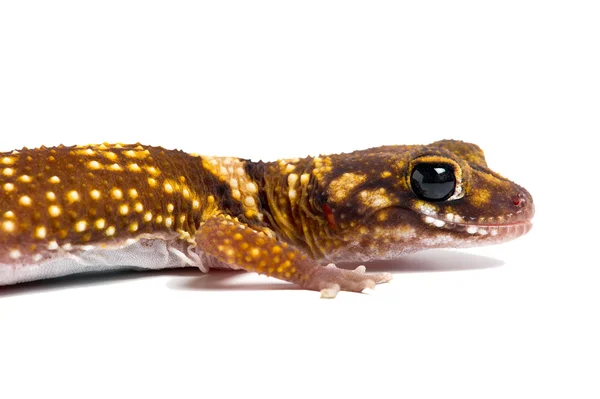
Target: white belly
{"type": "Point", "coordinates": [145, 253]}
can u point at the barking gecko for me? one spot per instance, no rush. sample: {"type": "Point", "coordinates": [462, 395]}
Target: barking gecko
{"type": "Point", "coordinates": [68, 210]}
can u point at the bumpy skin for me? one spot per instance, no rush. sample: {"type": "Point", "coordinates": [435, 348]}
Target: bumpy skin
{"type": "Point", "coordinates": [71, 209]}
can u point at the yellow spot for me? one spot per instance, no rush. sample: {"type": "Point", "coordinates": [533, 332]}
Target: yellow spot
{"type": "Point", "coordinates": [25, 179]}
{"type": "Point", "coordinates": [148, 216]}
{"type": "Point", "coordinates": [152, 182]}
{"type": "Point", "coordinates": [8, 226]}
{"type": "Point", "coordinates": [110, 231]}
{"type": "Point", "coordinates": [159, 219]}
{"type": "Point", "coordinates": [479, 197]}
{"type": "Point", "coordinates": [54, 211]}
{"type": "Point", "coordinates": [138, 207]}
{"type": "Point", "coordinates": [133, 193]}
{"type": "Point", "coordinates": [340, 188]}
{"type": "Point", "coordinates": [50, 196]}
{"type": "Point", "coordinates": [54, 179]}
{"type": "Point", "coordinates": [385, 174]}
{"type": "Point", "coordinates": [251, 188]}
{"type": "Point", "coordinates": [186, 193]}
{"type": "Point", "coordinates": [86, 152]}
{"type": "Point", "coordinates": [80, 226]}
{"type": "Point", "coordinates": [15, 254]}
{"type": "Point", "coordinates": [73, 196]}
{"type": "Point", "coordinates": [211, 199]}
{"type": "Point", "coordinates": [9, 186]}
{"type": "Point", "coordinates": [292, 194]}
{"type": "Point", "coordinates": [9, 214]}
{"type": "Point", "coordinates": [168, 221]}
{"type": "Point", "coordinates": [95, 194]}
{"type": "Point", "coordinates": [152, 170]}
{"type": "Point", "coordinates": [115, 167]}
{"type": "Point", "coordinates": [133, 226]}
{"type": "Point", "coordinates": [170, 208]}
{"type": "Point", "coordinates": [376, 198]}
{"type": "Point", "coordinates": [236, 194]}
{"type": "Point", "coordinates": [40, 232]}
{"type": "Point", "coordinates": [168, 188]}
{"type": "Point", "coordinates": [111, 155]}
{"type": "Point", "coordinates": [116, 193]}
{"type": "Point", "coordinates": [8, 161]}
{"type": "Point", "coordinates": [134, 167]}
{"type": "Point", "coordinates": [94, 165]}
{"type": "Point", "coordinates": [8, 172]}
{"type": "Point", "coordinates": [289, 168]}
{"type": "Point", "coordinates": [249, 201]}
{"type": "Point", "coordinates": [52, 245]}
{"type": "Point", "coordinates": [292, 179]}
{"type": "Point", "coordinates": [304, 178]}
{"type": "Point", "coordinates": [233, 183]}
{"type": "Point", "coordinates": [100, 224]}
{"type": "Point", "coordinates": [196, 204]}
{"type": "Point", "coordinates": [124, 209]}
{"type": "Point", "coordinates": [25, 200]}
{"type": "Point", "coordinates": [129, 153]}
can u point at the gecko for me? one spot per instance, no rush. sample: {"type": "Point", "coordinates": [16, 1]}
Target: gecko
{"type": "Point", "coordinates": [73, 209]}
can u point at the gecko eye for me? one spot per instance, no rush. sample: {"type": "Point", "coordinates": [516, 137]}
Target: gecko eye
{"type": "Point", "coordinates": [433, 181]}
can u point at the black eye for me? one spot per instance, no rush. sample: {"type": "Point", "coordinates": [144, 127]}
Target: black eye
{"type": "Point", "coordinates": [433, 181]}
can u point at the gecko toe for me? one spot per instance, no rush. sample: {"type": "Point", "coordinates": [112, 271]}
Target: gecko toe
{"type": "Point", "coordinates": [329, 280]}
{"type": "Point", "coordinates": [330, 292]}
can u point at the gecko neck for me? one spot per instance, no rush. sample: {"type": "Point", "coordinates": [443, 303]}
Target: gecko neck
{"type": "Point", "coordinates": [288, 197]}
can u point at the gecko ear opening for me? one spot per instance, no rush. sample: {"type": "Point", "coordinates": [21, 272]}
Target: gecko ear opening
{"type": "Point", "coordinates": [433, 181]}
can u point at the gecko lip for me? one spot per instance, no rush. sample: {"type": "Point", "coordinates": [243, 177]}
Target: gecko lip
{"type": "Point", "coordinates": [508, 229]}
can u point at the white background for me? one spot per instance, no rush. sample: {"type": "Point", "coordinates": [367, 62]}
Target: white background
{"type": "Point", "coordinates": [276, 79]}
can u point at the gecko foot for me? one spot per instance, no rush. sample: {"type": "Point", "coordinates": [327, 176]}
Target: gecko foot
{"type": "Point", "coordinates": [330, 280]}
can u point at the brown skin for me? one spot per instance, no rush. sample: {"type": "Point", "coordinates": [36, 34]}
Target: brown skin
{"type": "Point", "coordinates": [282, 219]}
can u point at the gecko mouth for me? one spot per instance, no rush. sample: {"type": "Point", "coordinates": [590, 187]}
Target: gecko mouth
{"type": "Point", "coordinates": [509, 229]}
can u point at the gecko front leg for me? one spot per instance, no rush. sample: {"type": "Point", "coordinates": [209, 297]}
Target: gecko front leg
{"type": "Point", "coordinates": [238, 244]}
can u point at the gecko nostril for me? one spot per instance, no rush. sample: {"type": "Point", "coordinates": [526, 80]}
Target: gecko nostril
{"type": "Point", "coordinates": [519, 200]}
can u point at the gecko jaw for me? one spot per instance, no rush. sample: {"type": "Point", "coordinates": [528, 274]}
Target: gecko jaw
{"type": "Point", "coordinates": [502, 230]}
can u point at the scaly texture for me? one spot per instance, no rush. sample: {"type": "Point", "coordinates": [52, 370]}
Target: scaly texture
{"type": "Point", "coordinates": [71, 209]}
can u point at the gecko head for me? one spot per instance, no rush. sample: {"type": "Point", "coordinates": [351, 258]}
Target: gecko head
{"type": "Point", "coordinates": [389, 200]}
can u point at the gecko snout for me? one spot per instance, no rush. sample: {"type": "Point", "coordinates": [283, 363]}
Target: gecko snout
{"type": "Point", "coordinates": [523, 204]}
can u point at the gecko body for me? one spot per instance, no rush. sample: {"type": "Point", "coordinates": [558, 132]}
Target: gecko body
{"type": "Point", "coordinates": [66, 210]}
